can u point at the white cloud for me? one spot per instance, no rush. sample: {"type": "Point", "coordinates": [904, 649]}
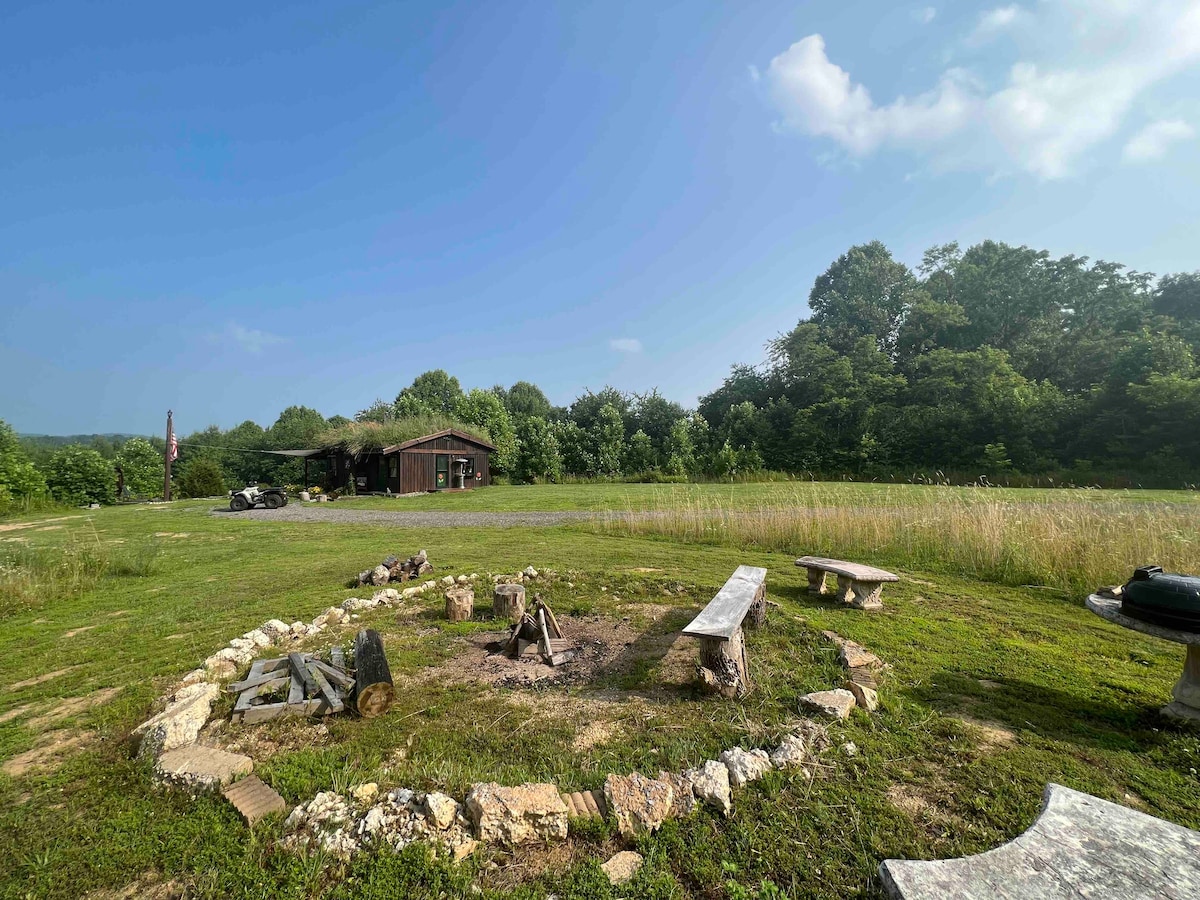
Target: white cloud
{"type": "Point", "coordinates": [925, 15]}
{"type": "Point", "coordinates": [1153, 141]}
{"type": "Point", "coordinates": [994, 21]}
{"type": "Point", "coordinates": [1042, 118]}
{"type": "Point", "coordinates": [626, 345]}
{"type": "Point", "coordinates": [250, 339]}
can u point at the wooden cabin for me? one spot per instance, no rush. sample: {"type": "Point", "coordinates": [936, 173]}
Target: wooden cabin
{"type": "Point", "coordinates": [446, 460]}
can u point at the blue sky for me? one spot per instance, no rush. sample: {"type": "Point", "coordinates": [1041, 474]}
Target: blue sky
{"type": "Point", "coordinates": [232, 208]}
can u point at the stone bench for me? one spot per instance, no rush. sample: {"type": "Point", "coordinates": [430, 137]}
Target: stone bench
{"type": "Point", "coordinates": [858, 586]}
{"type": "Point", "coordinates": [719, 628]}
{"type": "Point", "coordinates": [1079, 846]}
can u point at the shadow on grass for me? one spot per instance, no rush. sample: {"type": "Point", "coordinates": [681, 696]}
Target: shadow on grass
{"type": "Point", "coordinates": [1049, 713]}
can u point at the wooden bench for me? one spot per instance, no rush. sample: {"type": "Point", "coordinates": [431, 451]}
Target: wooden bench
{"type": "Point", "coordinates": [719, 627]}
{"type": "Point", "coordinates": [1079, 846]}
{"type": "Point", "coordinates": [858, 586]}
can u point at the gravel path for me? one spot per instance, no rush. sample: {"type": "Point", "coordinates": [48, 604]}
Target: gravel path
{"type": "Point", "coordinates": [325, 512]}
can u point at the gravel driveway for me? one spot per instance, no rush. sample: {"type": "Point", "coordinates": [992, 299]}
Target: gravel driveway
{"type": "Point", "coordinates": [326, 512]}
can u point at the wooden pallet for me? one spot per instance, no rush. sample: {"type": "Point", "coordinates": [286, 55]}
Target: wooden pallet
{"type": "Point", "coordinates": [314, 688]}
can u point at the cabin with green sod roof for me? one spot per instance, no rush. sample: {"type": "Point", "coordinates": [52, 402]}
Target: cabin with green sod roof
{"type": "Point", "coordinates": [444, 460]}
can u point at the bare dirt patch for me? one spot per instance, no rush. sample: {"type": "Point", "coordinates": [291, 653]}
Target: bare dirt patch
{"type": "Point", "coordinates": [71, 706]}
{"type": "Point", "coordinates": [924, 806]}
{"type": "Point", "coordinates": [80, 630]}
{"type": "Point", "coordinates": [261, 742]}
{"type": "Point", "coordinates": [17, 526]}
{"type": "Point", "coordinates": [48, 754]}
{"type": "Point", "coordinates": [16, 712]}
{"type": "Point", "coordinates": [41, 679]}
{"type": "Point", "coordinates": [602, 645]}
{"type": "Point", "coordinates": [991, 735]}
{"type": "Point", "coordinates": [592, 735]}
{"type": "Point", "coordinates": [149, 887]}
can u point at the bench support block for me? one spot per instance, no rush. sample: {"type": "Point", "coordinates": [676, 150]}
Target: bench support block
{"type": "Point", "coordinates": [723, 668]}
{"type": "Point", "coordinates": [816, 581]}
{"type": "Point", "coordinates": [1186, 693]}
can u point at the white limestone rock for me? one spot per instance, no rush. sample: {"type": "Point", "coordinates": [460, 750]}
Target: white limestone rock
{"type": "Point", "coordinates": [836, 704]}
{"type": "Point", "coordinates": [710, 783]}
{"type": "Point", "coordinates": [180, 721]}
{"type": "Point", "coordinates": [745, 765]}
{"type": "Point", "coordinates": [791, 752]}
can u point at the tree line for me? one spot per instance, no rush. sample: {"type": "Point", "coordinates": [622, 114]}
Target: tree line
{"type": "Point", "coordinates": [995, 361]}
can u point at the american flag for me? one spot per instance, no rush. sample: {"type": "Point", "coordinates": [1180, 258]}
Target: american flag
{"type": "Point", "coordinates": [173, 447]}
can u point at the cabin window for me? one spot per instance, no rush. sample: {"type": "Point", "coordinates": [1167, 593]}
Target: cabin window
{"type": "Point", "coordinates": [469, 468]}
{"type": "Point", "coordinates": [443, 470]}
{"type": "Point", "coordinates": [393, 467]}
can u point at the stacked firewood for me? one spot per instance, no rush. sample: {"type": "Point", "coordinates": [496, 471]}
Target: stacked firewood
{"type": "Point", "coordinates": [537, 631]}
{"type": "Point", "coordinates": [306, 685]}
{"type": "Point", "coordinates": [392, 569]}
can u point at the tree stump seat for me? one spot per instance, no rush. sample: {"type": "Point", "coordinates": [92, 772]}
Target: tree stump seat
{"type": "Point", "coordinates": [723, 666]}
{"type": "Point", "coordinates": [859, 586]}
{"type": "Point", "coordinates": [1079, 846]}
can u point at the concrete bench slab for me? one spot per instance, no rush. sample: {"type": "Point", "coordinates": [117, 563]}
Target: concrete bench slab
{"type": "Point", "coordinates": [719, 627]}
{"type": "Point", "coordinates": [1079, 846]}
{"type": "Point", "coordinates": [858, 585]}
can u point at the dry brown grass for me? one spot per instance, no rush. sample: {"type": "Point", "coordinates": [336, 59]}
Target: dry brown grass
{"type": "Point", "coordinates": [1074, 543]}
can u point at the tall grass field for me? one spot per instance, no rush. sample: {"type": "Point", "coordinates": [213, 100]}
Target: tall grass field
{"type": "Point", "coordinates": [1072, 541]}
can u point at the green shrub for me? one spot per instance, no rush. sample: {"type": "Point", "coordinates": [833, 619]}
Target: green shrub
{"type": "Point", "coordinates": [201, 477]}
{"type": "Point", "coordinates": [80, 475]}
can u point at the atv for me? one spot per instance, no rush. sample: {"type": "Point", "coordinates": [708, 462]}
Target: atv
{"type": "Point", "coordinates": [252, 495]}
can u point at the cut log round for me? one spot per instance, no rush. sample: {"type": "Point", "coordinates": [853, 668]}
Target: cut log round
{"type": "Point", "coordinates": [460, 603]}
{"type": "Point", "coordinates": [372, 677]}
{"type": "Point", "coordinates": [508, 602]}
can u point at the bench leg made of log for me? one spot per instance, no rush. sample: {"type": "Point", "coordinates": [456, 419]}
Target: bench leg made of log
{"type": "Point", "coordinates": [1185, 695]}
{"type": "Point", "coordinates": [723, 668]}
{"type": "Point", "coordinates": [816, 581]}
{"type": "Point", "coordinates": [757, 614]}
{"type": "Point", "coordinates": [866, 594]}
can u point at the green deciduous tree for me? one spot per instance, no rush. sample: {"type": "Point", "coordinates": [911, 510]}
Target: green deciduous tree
{"type": "Point", "coordinates": [79, 475]}
{"type": "Point", "coordinates": [525, 399]}
{"type": "Point", "coordinates": [142, 465]}
{"type": "Point", "coordinates": [639, 454]}
{"type": "Point", "coordinates": [19, 478]}
{"type": "Point", "coordinates": [575, 446]}
{"type": "Point", "coordinates": [608, 440]}
{"type": "Point", "coordinates": [863, 294]}
{"type": "Point", "coordinates": [436, 389]}
{"type": "Point", "coordinates": [484, 408]}
{"type": "Point", "coordinates": [538, 455]}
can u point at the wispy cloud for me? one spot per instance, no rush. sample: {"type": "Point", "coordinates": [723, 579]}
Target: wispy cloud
{"type": "Point", "coordinates": [1153, 141]}
{"type": "Point", "coordinates": [250, 340]}
{"type": "Point", "coordinates": [994, 21]}
{"type": "Point", "coordinates": [1044, 117]}
{"type": "Point", "coordinates": [925, 14]}
{"type": "Point", "coordinates": [626, 345]}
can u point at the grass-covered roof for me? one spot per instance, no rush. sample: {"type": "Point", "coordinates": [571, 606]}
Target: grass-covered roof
{"type": "Point", "coordinates": [363, 437]}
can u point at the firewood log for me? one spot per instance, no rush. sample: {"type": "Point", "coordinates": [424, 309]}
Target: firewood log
{"type": "Point", "coordinates": [374, 692]}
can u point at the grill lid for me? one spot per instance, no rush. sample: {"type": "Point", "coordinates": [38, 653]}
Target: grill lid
{"type": "Point", "coordinates": [1163, 598]}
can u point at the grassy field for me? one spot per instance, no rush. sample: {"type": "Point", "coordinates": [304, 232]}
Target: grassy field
{"type": "Point", "coordinates": [995, 689]}
{"type": "Point", "coordinates": [645, 497]}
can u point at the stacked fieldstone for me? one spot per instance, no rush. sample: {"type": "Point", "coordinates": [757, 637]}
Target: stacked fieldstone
{"type": "Point", "coordinates": [534, 813]}
{"type": "Point", "coordinates": [861, 689]}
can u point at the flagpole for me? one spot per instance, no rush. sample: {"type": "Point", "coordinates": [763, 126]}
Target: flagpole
{"type": "Point", "coordinates": [167, 458]}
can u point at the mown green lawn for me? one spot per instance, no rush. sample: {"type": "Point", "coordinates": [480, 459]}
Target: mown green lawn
{"type": "Point", "coordinates": [1062, 695]}
{"type": "Point", "coordinates": [618, 497]}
